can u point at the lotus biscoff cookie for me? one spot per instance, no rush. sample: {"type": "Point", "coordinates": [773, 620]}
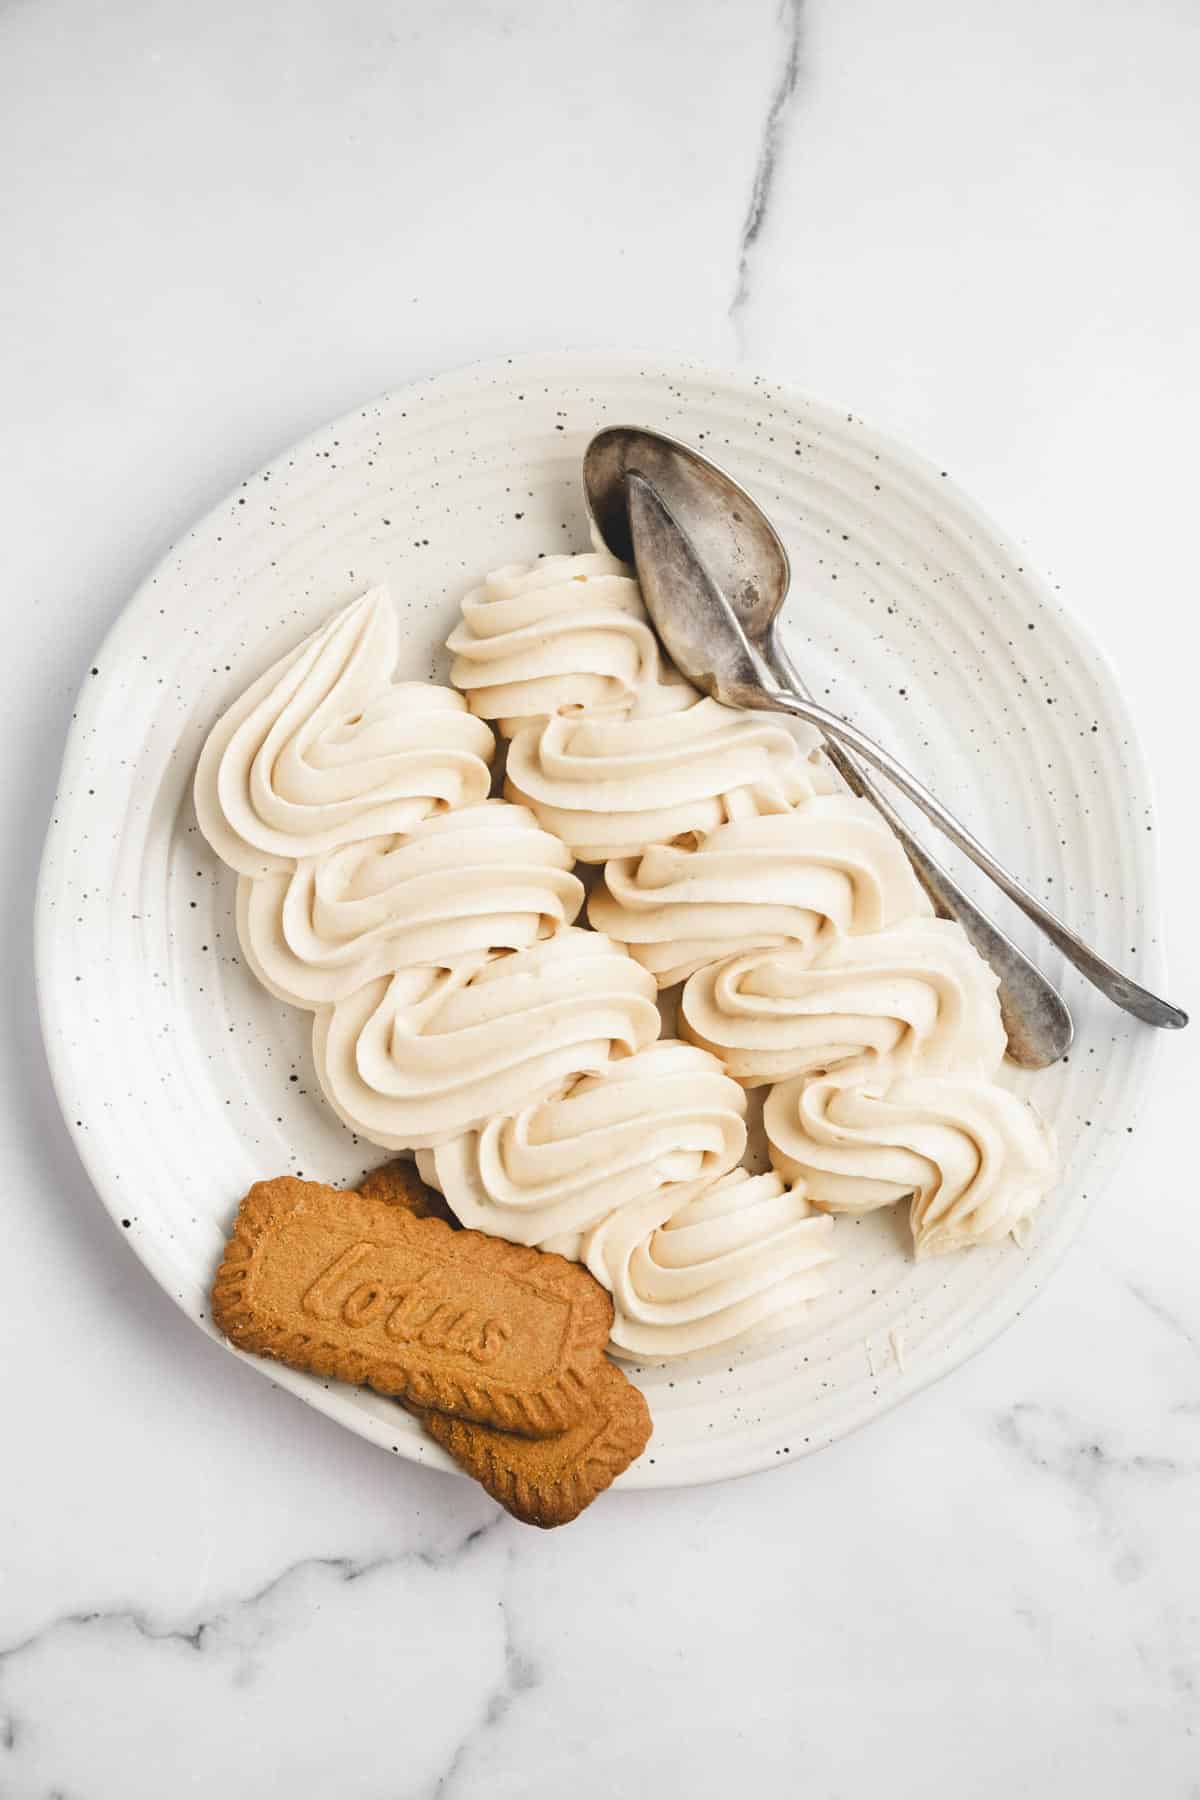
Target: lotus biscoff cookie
{"type": "Point", "coordinates": [549, 1481]}
{"type": "Point", "coordinates": [359, 1288]}
{"type": "Point", "coordinates": [399, 1184]}
{"type": "Point", "coordinates": [541, 1481]}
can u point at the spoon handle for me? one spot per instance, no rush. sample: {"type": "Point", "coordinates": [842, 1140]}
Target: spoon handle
{"type": "Point", "coordinates": [1119, 988]}
{"type": "Point", "coordinates": [1036, 1019]}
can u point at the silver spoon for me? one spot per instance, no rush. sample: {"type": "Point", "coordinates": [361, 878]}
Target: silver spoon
{"type": "Point", "coordinates": [706, 640]}
{"type": "Point", "coordinates": [742, 551]}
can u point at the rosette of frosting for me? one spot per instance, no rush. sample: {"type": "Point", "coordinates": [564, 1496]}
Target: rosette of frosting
{"type": "Point", "coordinates": [567, 634]}
{"type": "Point", "coordinates": [974, 1159]}
{"type": "Point", "coordinates": [914, 998]}
{"type": "Point", "coordinates": [326, 749]}
{"type": "Point", "coordinates": [415, 1058]}
{"type": "Point", "coordinates": [486, 878]}
{"type": "Point", "coordinates": [745, 1253]}
{"type": "Point", "coordinates": [611, 787]}
{"type": "Point", "coordinates": [806, 877]}
{"type": "Point", "coordinates": [647, 1129]}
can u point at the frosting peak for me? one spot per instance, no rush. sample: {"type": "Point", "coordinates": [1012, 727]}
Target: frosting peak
{"type": "Point", "coordinates": [745, 1251]}
{"type": "Point", "coordinates": [805, 877]}
{"type": "Point", "coordinates": [975, 1159]}
{"type": "Point", "coordinates": [652, 1128]}
{"type": "Point", "coordinates": [567, 634]}
{"type": "Point", "coordinates": [415, 1058]}
{"type": "Point", "coordinates": [612, 787]}
{"type": "Point", "coordinates": [914, 997]}
{"type": "Point", "coordinates": [326, 749]}
{"type": "Point", "coordinates": [485, 878]}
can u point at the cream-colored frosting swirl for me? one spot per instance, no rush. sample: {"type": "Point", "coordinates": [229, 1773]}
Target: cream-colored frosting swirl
{"type": "Point", "coordinates": [326, 749]}
{"type": "Point", "coordinates": [744, 1254]}
{"type": "Point", "coordinates": [654, 1127]}
{"type": "Point", "coordinates": [567, 634]}
{"type": "Point", "coordinates": [975, 1158]}
{"type": "Point", "coordinates": [413, 1059]}
{"type": "Point", "coordinates": [485, 878]}
{"type": "Point", "coordinates": [611, 787]}
{"type": "Point", "coordinates": [801, 877]}
{"type": "Point", "coordinates": [916, 998]}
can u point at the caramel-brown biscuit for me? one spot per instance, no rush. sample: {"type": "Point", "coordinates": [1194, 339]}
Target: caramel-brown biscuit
{"type": "Point", "coordinates": [399, 1184]}
{"type": "Point", "coordinates": [541, 1481]}
{"type": "Point", "coordinates": [549, 1481]}
{"type": "Point", "coordinates": [343, 1285]}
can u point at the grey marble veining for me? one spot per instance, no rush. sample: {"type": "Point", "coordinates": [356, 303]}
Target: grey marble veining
{"type": "Point", "coordinates": [213, 1634]}
{"type": "Point", "coordinates": [783, 95]}
{"type": "Point", "coordinates": [518, 1675]}
{"type": "Point", "coordinates": [973, 226]}
{"type": "Point", "coordinates": [1166, 1316]}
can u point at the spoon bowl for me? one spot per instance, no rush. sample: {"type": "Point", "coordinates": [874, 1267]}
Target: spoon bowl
{"type": "Point", "coordinates": [731, 535]}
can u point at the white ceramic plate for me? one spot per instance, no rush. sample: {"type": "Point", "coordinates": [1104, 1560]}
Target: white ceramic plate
{"type": "Point", "coordinates": [183, 1082]}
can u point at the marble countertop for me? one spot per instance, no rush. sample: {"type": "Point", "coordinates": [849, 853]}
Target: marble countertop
{"type": "Point", "coordinates": [973, 224]}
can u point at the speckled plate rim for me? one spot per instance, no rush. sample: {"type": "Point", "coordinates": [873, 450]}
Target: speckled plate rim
{"type": "Point", "coordinates": [70, 1080]}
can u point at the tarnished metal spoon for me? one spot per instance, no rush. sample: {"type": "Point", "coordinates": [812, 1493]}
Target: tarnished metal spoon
{"type": "Point", "coordinates": [705, 637]}
{"type": "Point", "coordinates": [742, 551]}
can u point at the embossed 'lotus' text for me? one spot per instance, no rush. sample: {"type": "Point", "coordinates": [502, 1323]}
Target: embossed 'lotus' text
{"type": "Point", "coordinates": [423, 1310]}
